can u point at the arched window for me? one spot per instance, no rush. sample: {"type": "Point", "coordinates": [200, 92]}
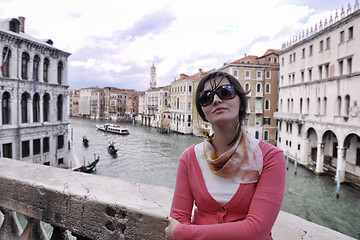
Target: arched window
{"type": "Point", "coordinates": [59, 108]}
{"type": "Point", "coordinates": [247, 87]}
{"type": "Point", "coordinates": [288, 105]}
{"type": "Point", "coordinates": [36, 108]}
{"type": "Point", "coordinates": [318, 106]}
{"type": "Point", "coordinates": [5, 108]}
{"type": "Point", "coordinates": [60, 72]}
{"type": "Point", "coordinates": [257, 134]}
{"type": "Point", "coordinates": [36, 68]}
{"type": "Point", "coordinates": [267, 88]}
{"type": "Point", "coordinates": [347, 105]}
{"type": "Point", "coordinates": [258, 87]}
{"type": "Point", "coordinates": [307, 105]}
{"type": "Point", "coordinates": [24, 108]}
{"type": "Point", "coordinates": [46, 105]}
{"type": "Point", "coordinates": [281, 105]}
{"type": "Point", "coordinates": [5, 64]}
{"type": "Point", "coordinates": [338, 106]}
{"type": "Point", "coordinates": [25, 58]}
{"type": "Point", "coordinates": [46, 70]}
{"type": "Point", "coordinates": [267, 104]}
{"type": "Point", "coordinates": [324, 106]}
{"type": "Point", "coordinates": [292, 105]}
{"type": "Point", "coordinates": [301, 105]}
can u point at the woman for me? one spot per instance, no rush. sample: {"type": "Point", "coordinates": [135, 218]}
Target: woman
{"type": "Point", "coordinates": [236, 181]}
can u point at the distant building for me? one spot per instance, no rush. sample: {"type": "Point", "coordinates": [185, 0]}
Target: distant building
{"type": "Point", "coordinates": [260, 76]}
{"type": "Point", "coordinates": [92, 103]}
{"type": "Point", "coordinates": [183, 103]}
{"type": "Point", "coordinates": [154, 103]}
{"type": "Point", "coordinates": [319, 100]}
{"type": "Point", "coordinates": [73, 99]}
{"type": "Point", "coordinates": [34, 110]}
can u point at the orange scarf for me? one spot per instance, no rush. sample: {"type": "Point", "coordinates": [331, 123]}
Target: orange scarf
{"type": "Point", "coordinates": [242, 163]}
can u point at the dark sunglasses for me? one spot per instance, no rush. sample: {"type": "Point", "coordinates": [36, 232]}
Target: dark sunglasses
{"type": "Point", "coordinates": [224, 92]}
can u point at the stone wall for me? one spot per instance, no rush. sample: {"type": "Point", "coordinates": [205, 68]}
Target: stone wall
{"type": "Point", "coordinates": [106, 208]}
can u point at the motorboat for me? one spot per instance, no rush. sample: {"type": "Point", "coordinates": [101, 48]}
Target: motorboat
{"type": "Point", "coordinates": [112, 128]}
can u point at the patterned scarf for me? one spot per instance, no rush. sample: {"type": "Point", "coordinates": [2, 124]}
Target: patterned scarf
{"type": "Point", "coordinates": [242, 163]}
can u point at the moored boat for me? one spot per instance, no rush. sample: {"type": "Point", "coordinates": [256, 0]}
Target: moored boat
{"type": "Point", "coordinates": [88, 168]}
{"type": "Point", "coordinates": [112, 128]}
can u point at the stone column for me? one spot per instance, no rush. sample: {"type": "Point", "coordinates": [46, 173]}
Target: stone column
{"type": "Point", "coordinates": [341, 162]}
{"type": "Point", "coordinates": [320, 158]}
{"type": "Point", "coordinates": [304, 151]}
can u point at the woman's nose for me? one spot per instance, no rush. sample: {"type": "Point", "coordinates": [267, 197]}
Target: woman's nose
{"type": "Point", "coordinates": [216, 99]}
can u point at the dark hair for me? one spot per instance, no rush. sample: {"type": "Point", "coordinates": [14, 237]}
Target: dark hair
{"type": "Point", "coordinates": [238, 89]}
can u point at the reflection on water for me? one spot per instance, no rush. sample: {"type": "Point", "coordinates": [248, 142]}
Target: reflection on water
{"type": "Point", "coordinates": [147, 156]}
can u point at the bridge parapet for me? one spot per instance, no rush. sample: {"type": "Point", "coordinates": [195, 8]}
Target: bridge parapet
{"type": "Point", "coordinates": [97, 207]}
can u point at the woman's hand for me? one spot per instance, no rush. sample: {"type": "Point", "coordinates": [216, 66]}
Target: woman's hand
{"type": "Point", "coordinates": [169, 231]}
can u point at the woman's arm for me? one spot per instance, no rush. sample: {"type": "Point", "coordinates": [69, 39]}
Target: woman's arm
{"type": "Point", "coordinates": [263, 210]}
{"type": "Point", "coordinates": [183, 199]}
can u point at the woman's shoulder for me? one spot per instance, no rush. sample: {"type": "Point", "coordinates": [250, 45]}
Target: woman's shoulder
{"type": "Point", "coordinates": [269, 151]}
{"type": "Point", "coordinates": [188, 153]}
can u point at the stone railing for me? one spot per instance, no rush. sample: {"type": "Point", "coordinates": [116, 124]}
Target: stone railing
{"type": "Point", "coordinates": [95, 207]}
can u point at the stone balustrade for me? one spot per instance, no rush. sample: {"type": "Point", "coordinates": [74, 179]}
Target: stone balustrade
{"type": "Point", "coordinates": [95, 207]}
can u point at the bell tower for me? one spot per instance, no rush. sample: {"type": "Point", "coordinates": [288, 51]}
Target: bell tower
{"type": "Point", "coordinates": [153, 76]}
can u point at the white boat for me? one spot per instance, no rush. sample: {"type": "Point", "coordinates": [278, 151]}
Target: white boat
{"type": "Point", "coordinates": [112, 128]}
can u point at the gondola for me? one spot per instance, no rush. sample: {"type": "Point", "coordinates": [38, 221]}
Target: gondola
{"type": "Point", "coordinates": [85, 141]}
{"type": "Point", "coordinates": [91, 167]}
{"type": "Point", "coordinates": [111, 148]}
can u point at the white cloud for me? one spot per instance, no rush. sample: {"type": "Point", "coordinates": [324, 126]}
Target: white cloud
{"type": "Point", "coordinates": [114, 41]}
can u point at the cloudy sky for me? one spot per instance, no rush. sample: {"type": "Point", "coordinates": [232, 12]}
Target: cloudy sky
{"type": "Point", "coordinates": [115, 42]}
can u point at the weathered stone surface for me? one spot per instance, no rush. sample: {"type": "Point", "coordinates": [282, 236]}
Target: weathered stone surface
{"type": "Point", "coordinates": [106, 208]}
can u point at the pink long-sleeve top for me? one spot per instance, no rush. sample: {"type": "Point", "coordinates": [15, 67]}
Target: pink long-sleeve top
{"type": "Point", "coordinates": [251, 212]}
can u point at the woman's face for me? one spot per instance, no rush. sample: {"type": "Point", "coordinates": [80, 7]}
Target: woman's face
{"type": "Point", "coordinates": [221, 111]}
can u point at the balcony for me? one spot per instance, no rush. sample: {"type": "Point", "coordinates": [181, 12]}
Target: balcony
{"type": "Point", "coordinates": [293, 117]}
{"type": "Point", "coordinates": [258, 111]}
{"type": "Point", "coordinates": [95, 207]}
{"type": "Point", "coordinates": [259, 94]}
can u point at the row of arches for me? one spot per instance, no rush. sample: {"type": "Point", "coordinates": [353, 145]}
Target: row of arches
{"type": "Point", "coordinates": [40, 67]}
{"type": "Point", "coordinates": [40, 107]}
{"type": "Point", "coordinates": [328, 148]}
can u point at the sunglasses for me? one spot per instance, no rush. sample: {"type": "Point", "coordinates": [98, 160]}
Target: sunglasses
{"type": "Point", "coordinates": [224, 92]}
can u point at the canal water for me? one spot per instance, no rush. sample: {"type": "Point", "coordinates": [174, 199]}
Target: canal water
{"type": "Point", "coordinates": [147, 156]}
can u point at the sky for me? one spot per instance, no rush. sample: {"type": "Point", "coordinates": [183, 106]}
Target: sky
{"type": "Point", "coordinates": [113, 43]}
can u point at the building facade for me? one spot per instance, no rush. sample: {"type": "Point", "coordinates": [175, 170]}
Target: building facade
{"type": "Point", "coordinates": [34, 110]}
{"type": "Point", "coordinates": [319, 103]}
{"type": "Point", "coordinates": [260, 77]}
{"type": "Point", "coordinates": [183, 107]}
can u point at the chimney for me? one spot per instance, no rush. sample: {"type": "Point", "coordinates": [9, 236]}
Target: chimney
{"type": "Point", "coordinates": [22, 24]}
{"type": "Point", "coordinates": [200, 70]}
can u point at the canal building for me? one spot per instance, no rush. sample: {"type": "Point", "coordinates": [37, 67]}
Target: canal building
{"type": "Point", "coordinates": [153, 105]}
{"type": "Point", "coordinates": [34, 120]}
{"type": "Point", "coordinates": [73, 99]}
{"type": "Point", "coordinates": [183, 108]}
{"type": "Point", "coordinates": [260, 77]}
{"type": "Point", "coordinates": [319, 103]}
{"type": "Point", "coordinates": [91, 102]}
{"type": "Point", "coordinates": [115, 103]}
